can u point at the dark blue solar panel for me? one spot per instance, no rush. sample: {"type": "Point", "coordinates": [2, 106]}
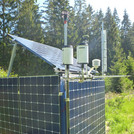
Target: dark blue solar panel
{"type": "Point", "coordinates": [87, 107]}
{"type": "Point", "coordinates": [9, 106]}
{"type": "Point", "coordinates": [30, 105]}
{"type": "Point", "coordinates": [51, 55]}
{"type": "Point", "coordinates": [40, 105]}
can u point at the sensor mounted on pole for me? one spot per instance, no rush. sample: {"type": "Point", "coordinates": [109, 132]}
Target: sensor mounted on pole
{"type": "Point", "coordinates": [67, 54]}
{"type": "Point", "coordinates": [83, 53]}
{"type": "Point", "coordinates": [96, 63]}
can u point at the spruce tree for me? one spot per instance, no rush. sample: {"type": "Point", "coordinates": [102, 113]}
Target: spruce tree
{"type": "Point", "coordinates": [95, 36]}
{"type": "Point", "coordinates": [72, 29]}
{"type": "Point", "coordinates": [116, 17]}
{"type": "Point", "coordinates": [108, 19]}
{"type": "Point", "coordinates": [28, 22]}
{"type": "Point", "coordinates": [79, 6]}
{"type": "Point", "coordinates": [8, 13]}
{"type": "Point", "coordinates": [108, 25]}
{"type": "Point", "coordinates": [29, 26]}
{"type": "Point", "coordinates": [126, 25]}
{"type": "Point", "coordinates": [53, 21]}
{"type": "Point", "coordinates": [131, 40]}
{"type": "Point", "coordinates": [116, 56]}
{"type": "Point", "coordinates": [113, 40]}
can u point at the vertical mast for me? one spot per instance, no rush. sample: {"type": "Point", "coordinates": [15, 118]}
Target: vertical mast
{"type": "Point", "coordinates": [65, 17]}
{"type": "Point", "coordinates": [104, 50]}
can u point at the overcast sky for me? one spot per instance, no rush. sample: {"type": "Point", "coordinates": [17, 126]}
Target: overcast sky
{"type": "Point", "coordinates": [120, 5]}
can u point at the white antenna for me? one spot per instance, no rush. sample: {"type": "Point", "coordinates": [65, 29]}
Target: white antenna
{"type": "Point", "coordinates": [104, 50]}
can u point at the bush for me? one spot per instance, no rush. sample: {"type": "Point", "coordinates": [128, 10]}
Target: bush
{"type": "Point", "coordinates": [118, 85]}
{"type": "Point", "coordinates": [122, 84]}
{"type": "Point", "coordinates": [113, 85]}
{"type": "Point", "coordinates": [3, 73]}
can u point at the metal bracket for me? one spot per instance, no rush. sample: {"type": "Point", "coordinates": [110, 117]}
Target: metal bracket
{"type": "Point", "coordinates": [60, 94]}
{"type": "Point", "coordinates": [67, 99]}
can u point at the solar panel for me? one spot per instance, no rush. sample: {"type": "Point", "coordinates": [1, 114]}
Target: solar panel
{"type": "Point", "coordinates": [9, 113]}
{"type": "Point", "coordinates": [51, 55]}
{"type": "Point", "coordinates": [30, 105]}
{"type": "Point", "coordinates": [87, 107]}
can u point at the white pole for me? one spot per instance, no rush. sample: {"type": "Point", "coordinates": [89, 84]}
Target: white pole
{"type": "Point", "coordinates": [105, 52]}
{"type": "Point", "coordinates": [102, 50]}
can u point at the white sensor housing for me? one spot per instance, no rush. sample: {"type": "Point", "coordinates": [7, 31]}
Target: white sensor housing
{"type": "Point", "coordinates": [96, 63]}
{"type": "Point", "coordinates": [83, 54]}
{"type": "Point", "coordinates": [67, 55]}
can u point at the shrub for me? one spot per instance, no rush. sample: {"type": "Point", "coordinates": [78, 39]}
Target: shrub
{"type": "Point", "coordinates": [3, 73]}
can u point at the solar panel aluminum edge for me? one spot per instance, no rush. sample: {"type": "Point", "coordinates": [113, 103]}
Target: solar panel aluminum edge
{"type": "Point", "coordinates": [63, 107]}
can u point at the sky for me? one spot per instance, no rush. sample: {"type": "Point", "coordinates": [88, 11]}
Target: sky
{"type": "Point", "coordinates": [120, 5]}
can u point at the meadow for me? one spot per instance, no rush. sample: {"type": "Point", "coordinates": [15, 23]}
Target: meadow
{"type": "Point", "coordinates": [119, 113]}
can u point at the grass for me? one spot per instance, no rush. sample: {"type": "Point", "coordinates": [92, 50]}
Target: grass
{"type": "Point", "coordinates": [120, 113]}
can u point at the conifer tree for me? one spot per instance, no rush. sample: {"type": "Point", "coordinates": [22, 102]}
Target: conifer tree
{"type": "Point", "coordinates": [95, 36]}
{"type": "Point", "coordinates": [28, 26]}
{"type": "Point", "coordinates": [8, 13]}
{"type": "Point", "coordinates": [79, 6]}
{"type": "Point", "coordinates": [116, 56]}
{"type": "Point", "coordinates": [29, 23]}
{"type": "Point", "coordinates": [126, 25]}
{"type": "Point", "coordinates": [108, 21]}
{"type": "Point", "coordinates": [116, 17]}
{"type": "Point", "coordinates": [131, 40]}
{"type": "Point", "coordinates": [54, 22]}
{"type": "Point", "coordinates": [83, 23]}
{"type": "Point", "coordinates": [117, 62]}
{"type": "Point", "coordinates": [113, 39]}
{"type": "Point", "coordinates": [72, 29]}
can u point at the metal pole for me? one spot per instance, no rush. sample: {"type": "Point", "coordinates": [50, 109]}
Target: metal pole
{"type": "Point", "coordinates": [12, 60]}
{"type": "Point", "coordinates": [105, 51]}
{"type": "Point", "coordinates": [102, 49]}
{"type": "Point", "coordinates": [82, 72]}
{"type": "Point", "coordinates": [65, 42]}
{"type": "Point", "coordinates": [65, 32]}
{"type": "Point", "coordinates": [67, 103]}
{"type": "Point", "coordinates": [65, 13]}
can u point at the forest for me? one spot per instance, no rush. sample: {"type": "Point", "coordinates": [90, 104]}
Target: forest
{"type": "Point", "coordinates": [25, 18]}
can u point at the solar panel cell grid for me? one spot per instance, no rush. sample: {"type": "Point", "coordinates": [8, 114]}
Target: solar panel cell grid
{"type": "Point", "coordinates": [51, 55]}
{"type": "Point", "coordinates": [29, 105]}
{"type": "Point", "coordinates": [87, 107]}
{"type": "Point", "coordinates": [9, 114]}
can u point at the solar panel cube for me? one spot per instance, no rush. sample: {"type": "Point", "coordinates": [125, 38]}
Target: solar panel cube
{"type": "Point", "coordinates": [32, 105]}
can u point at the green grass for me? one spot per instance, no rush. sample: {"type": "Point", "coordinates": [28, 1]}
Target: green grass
{"type": "Point", "coordinates": [120, 114]}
